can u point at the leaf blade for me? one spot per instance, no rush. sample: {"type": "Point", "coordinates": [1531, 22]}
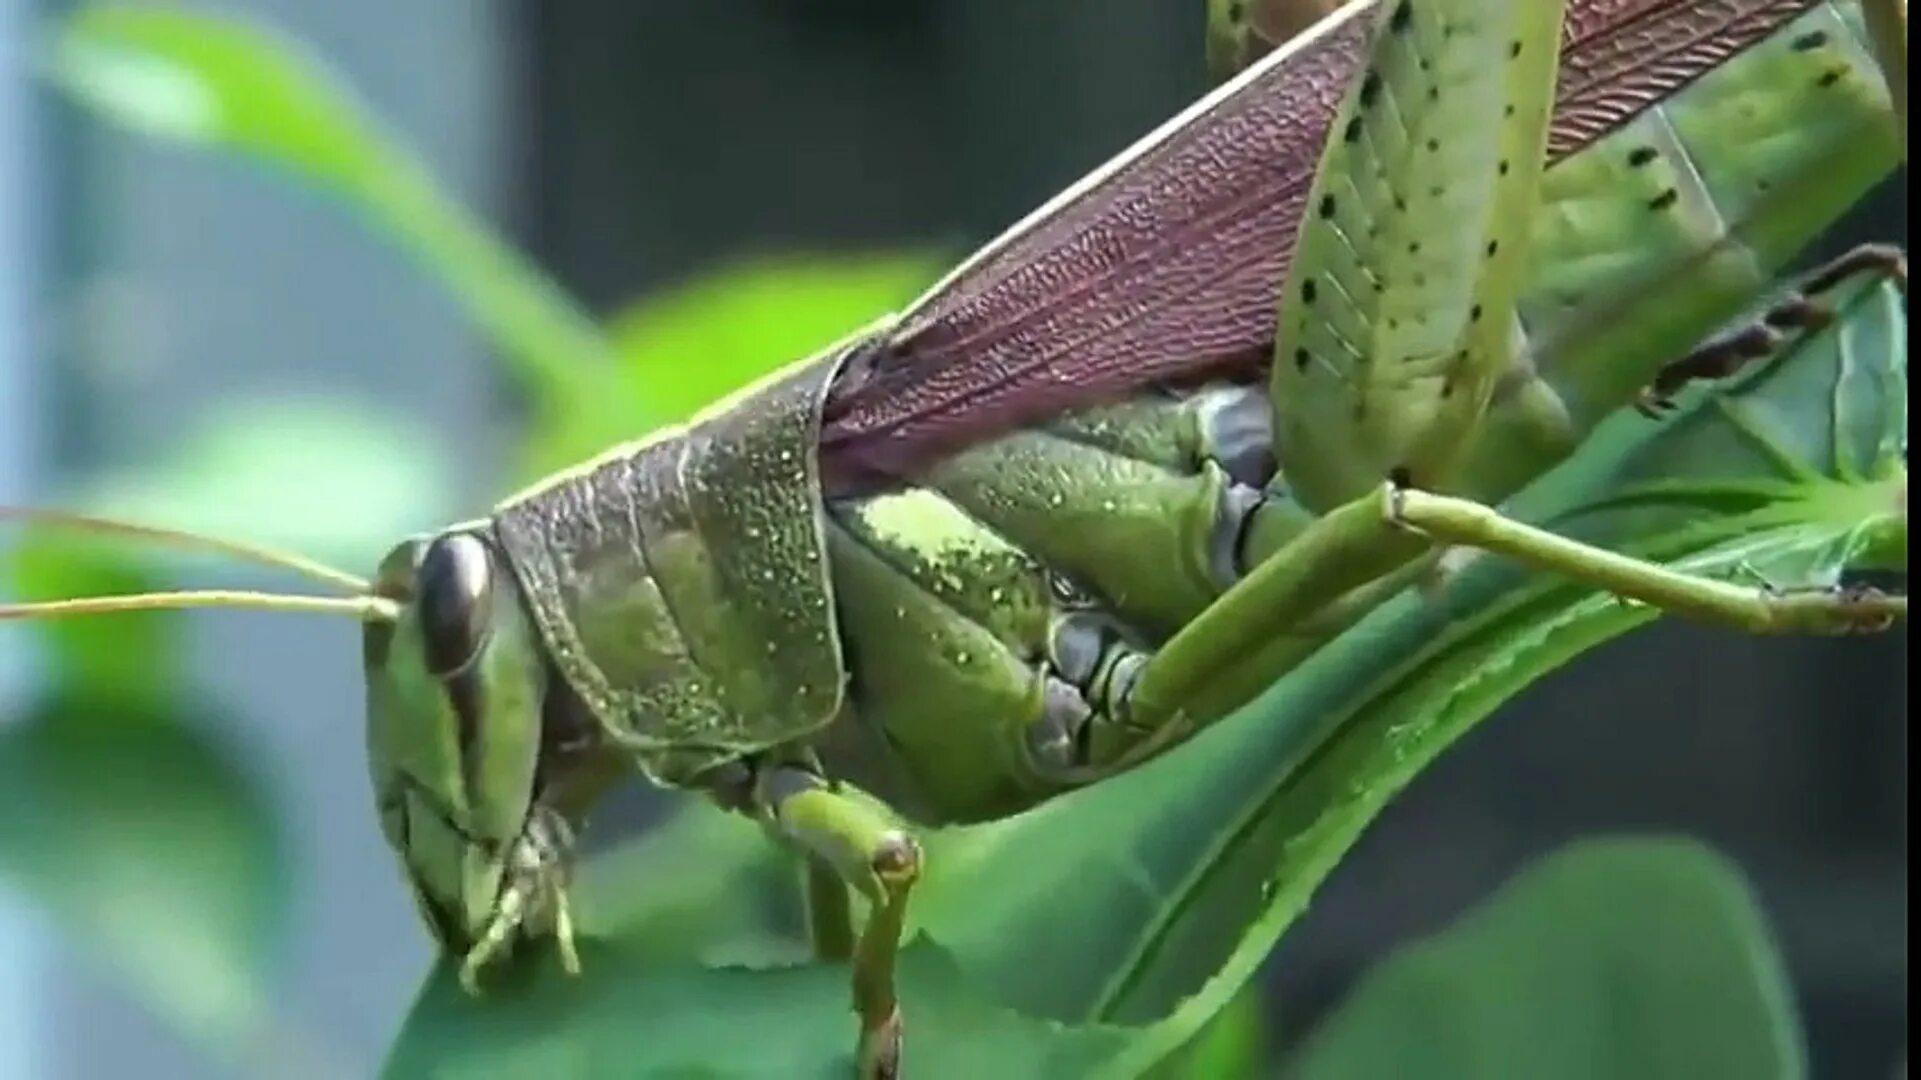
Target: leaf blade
{"type": "Point", "coordinates": [1624, 957]}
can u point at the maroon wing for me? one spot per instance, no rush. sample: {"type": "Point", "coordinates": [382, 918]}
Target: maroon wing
{"type": "Point", "coordinates": [1167, 270]}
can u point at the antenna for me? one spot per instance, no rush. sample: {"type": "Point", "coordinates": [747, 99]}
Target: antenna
{"type": "Point", "coordinates": [362, 604]}
{"type": "Point", "coordinates": [364, 608]}
{"type": "Point", "coordinates": [188, 541]}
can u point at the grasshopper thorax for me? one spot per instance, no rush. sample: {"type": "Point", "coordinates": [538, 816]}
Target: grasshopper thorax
{"type": "Point", "coordinates": [456, 685]}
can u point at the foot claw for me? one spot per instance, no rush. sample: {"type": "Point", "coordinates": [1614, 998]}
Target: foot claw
{"type": "Point", "coordinates": [564, 933]}
{"type": "Point", "coordinates": [1869, 610]}
{"type": "Point", "coordinates": [1652, 405]}
{"type": "Point", "coordinates": [880, 1049]}
{"type": "Point", "coordinates": [1836, 609]}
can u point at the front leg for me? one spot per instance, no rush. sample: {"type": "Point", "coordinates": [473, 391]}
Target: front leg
{"type": "Point", "coordinates": [1804, 308]}
{"type": "Point", "coordinates": [534, 887]}
{"type": "Point", "coordinates": [864, 845]}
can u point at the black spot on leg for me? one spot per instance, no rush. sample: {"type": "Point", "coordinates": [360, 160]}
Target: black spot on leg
{"type": "Point", "coordinates": [1308, 291]}
{"type": "Point", "coordinates": [1642, 155]}
{"type": "Point", "coordinates": [1475, 314]}
{"type": "Point", "coordinates": [1810, 41]}
{"type": "Point", "coordinates": [1370, 90]}
{"type": "Point", "coordinates": [1492, 247]}
{"type": "Point", "coordinates": [1829, 78]}
{"type": "Point", "coordinates": [1301, 357]}
{"type": "Point", "coordinates": [1353, 131]}
{"type": "Point", "coordinates": [1664, 200]}
{"type": "Point", "coordinates": [1400, 476]}
{"type": "Point", "coordinates": [1327, 206]}
{"type": "Point", "coordinates": [1513, 49]}
{"type": "Point", "coordinates": [1402, 16]}
{"type": "Point", "coordinates": [1433, 145]}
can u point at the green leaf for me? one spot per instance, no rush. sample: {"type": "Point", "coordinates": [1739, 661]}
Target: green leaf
{"type": "Point", "coordinates": [202, 80]}
{"type": "Point", "coordinates": [698, 343]}
{"type": "Point", "coordinates": [1634, 959]}
{"type": "Point", "coordinates": [640, 1017]}
{"type": "Point", "coordinates": [153, 851]}
{"type": "Point", "coordinates": [742, 909]}
{"type": "Point", "coordinates": [139, 834]}
{"type": "Point", "coordinates": [1234, 1044]}
{"type": "Point", "coordinates": [331, 481]}
{"type": "Point", "coordinates": [1134, 910]}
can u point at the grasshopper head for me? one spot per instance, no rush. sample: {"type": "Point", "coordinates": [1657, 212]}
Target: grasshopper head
{"type": "Point", "coordinates": [455, 686]}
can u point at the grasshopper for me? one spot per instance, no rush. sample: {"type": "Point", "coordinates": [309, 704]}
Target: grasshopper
{"type": "Point", "coordinates": [1127, 465]}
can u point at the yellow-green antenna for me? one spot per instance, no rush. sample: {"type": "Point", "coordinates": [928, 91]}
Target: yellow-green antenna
{"type": "Point", "coordinates": [186, 541]}
{"type": "Point", "coordinates": [363, 605]}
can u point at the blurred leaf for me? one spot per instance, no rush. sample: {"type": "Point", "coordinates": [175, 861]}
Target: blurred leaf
{"type": "Point", "coordinates": [695, 344]}
{"type": "Point", "coordinates": [1136, 909]}
{"type": "Point", "coordinates": [203, 80]}
{"type": "Point", "coordinates": [133, 659]}
{"type": "Point", "coordinates": [146, 844]}
{"type": "Point", "coordinates": [332, 481]}
{"type": "Point", "coordinates": [140, 836]}
{"type": "Point", "coordinates": [743, 909]}
{"type": "Point", "coordinates": [1629, 959]}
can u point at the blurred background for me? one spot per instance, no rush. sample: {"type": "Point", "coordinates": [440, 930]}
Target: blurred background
{"type": "Point", "coordinates": [150, 297]}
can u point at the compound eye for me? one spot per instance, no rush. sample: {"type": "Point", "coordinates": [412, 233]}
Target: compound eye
{"type": "Point", "coordinates": [454, 592]}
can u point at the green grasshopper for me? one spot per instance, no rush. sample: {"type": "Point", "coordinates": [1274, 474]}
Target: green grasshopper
{"type": "Point", "coordinates": [1099, 487]}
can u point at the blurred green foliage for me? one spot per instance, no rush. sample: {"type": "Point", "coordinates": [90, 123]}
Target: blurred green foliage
{"type": "Point", "coordinates": [211, 82]}
{"type": "Point", "coordinates": [1614, 957]}
{"type": "Point", "coordinates": [129, 818]}
{"type": "Point", "coordinates": [690, 346]}
{"type": "Point", "coordinates": [1178, 878]}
